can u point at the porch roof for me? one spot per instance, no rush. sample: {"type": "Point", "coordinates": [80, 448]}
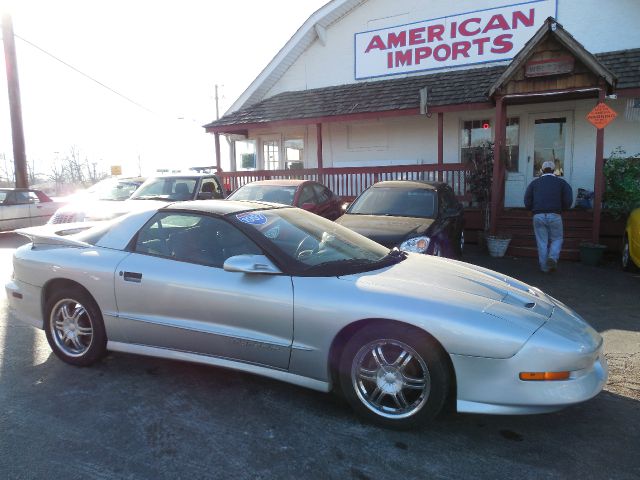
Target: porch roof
{"type": "Point", "coordinates": [460, 87]}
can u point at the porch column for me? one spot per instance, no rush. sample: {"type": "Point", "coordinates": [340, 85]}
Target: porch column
{"type": "Point", "coordinates": [440, 145]}
{"type": "Point", "coordinates": [598, 187]}
{"type": "Point", "coordinates": [218, 158]}
{"type": "Point", "coordinates": [497, 182]}
{"type": "Point", "coordinates": [319, 151]}
{"type": "Point", "coordinates": [232, 155]}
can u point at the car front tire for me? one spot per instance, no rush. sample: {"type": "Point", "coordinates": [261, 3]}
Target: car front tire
{"type": "Point", "coordinates": [74, 327]}
{"type": "Point", "coordinates": [396, 377]}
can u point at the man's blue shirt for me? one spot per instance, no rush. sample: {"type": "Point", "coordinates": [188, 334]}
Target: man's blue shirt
{"type": "Point", "coordinates": [548, 194]}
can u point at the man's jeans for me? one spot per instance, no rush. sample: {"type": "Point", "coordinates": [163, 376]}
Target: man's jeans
{"type": "Point", "coordinates": [548, 230]}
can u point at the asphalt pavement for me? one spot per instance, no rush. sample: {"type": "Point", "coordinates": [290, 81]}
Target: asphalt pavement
{"type": "Point", "coordinates": [133, 417]}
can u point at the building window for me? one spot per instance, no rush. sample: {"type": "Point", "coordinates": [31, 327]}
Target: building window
{"type": "Point", "coordinates": [294, 153]}
{"type": "Point", "coordinates": [271, 154]}
{"type": "Point", "coordinates": [246, 154]}
{"type": "Point", "coordinates": [512, 145]}
{"type": "Point", "coordinates": [474, 133]}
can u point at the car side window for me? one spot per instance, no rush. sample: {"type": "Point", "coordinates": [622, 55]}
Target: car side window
{"type": "Point", "coordinates": [307, 196]}
{"type": "Point", "coordinates": [33, 198]}
{"type": "Point", "coordinates": [210, 185]}
{"type": "Point", "coordinates": [16, 198]}
{"type": "Point", "coordinates": [193, 238]}
{"type": "Point", "coordinates": [323, 193]}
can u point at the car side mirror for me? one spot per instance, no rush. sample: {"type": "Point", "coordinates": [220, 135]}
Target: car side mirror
{"type": "Point", "coordinates": [250, 264]}
{"type": "Point", "coordinates": [307, 206]}
{"type": "Point", "coordinates": [452, 212]}
{"type": "Point", "coordinates": [345, 206]}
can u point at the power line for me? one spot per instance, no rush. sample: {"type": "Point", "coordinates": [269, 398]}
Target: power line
{"type": "Point", "coordinates": [86, 75]}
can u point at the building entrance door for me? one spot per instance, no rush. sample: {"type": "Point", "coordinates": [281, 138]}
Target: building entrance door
{"type": "Point", "coordinates": [545, 137]}
{"type": "Point", "coordinates": [550, 139]}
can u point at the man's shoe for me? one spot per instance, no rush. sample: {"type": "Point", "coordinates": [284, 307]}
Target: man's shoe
{"type": "Point", "coordinates": [551, 265]}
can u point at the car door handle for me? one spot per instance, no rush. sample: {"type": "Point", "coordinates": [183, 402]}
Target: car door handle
{"type": "Point", "coordinates": [132, 277]}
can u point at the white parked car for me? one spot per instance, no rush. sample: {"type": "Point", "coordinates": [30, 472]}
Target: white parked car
{"type": "Point", "coordinates": [159, 189]}
{"type": "Point", "coordinates": [24, 207]}
{"type": "Point", "coordinates": [98, 201]}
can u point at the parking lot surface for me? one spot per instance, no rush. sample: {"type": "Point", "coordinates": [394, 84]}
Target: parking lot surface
{"type": "Point", "coordinates": [133, 417]}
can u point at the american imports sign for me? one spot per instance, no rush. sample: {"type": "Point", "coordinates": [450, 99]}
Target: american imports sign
{"type": "Point", "coordinates": [481, 36]}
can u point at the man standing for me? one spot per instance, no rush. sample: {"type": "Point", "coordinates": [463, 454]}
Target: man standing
{"type": "Point", "coordinates": [547, 196]}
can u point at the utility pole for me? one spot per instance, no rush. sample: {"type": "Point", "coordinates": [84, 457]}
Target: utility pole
{"type": "Point", "coordinates": [217, 109]}
{"type": "Point", "coordinates": [13, 85]}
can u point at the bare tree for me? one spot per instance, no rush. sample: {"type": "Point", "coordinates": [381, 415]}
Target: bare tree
{"type": "Point", "coordinates": [7, 173]}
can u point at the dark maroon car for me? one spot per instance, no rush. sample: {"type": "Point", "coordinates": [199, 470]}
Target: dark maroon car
{"type": "Point", "coordinates": [305, 194]}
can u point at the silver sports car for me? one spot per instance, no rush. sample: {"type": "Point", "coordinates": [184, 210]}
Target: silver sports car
{"type": "Point", "coordinates": [281, 292]}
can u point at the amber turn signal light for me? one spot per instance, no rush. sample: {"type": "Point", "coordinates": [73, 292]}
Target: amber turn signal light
{"type": "Point", "coordinates": [544, 376]}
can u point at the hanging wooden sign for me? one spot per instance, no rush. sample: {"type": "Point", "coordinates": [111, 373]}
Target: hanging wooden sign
{"type": "Point", "coordinates": [601, 116]}
{"type": "Point", "coordinates": [548, 68]}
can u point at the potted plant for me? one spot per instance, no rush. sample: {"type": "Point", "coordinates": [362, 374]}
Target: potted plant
{"type": "Point", "coordinates": [480, 181]}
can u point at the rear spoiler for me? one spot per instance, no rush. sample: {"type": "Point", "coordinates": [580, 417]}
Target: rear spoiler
{"type": "Point", "coordinates": [57, 234]}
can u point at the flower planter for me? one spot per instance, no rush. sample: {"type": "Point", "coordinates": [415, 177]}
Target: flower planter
{"type": "Point", "coordinates": [591, 253]}
{"type": "Point", "coordinates": [497, 246]}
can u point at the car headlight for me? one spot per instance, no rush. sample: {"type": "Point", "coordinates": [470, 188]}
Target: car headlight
{"type": "Point", "coordinates": [416, 245]}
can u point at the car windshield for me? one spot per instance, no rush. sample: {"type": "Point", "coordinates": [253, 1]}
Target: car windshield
{"type": "Point", "coordinates": [265, 193]}
{"type": "Point", "coordinates": [396, 201]}
{"type": "Point", "coordinates": [311, 245]}
{"type": "Point", "coordinates": [115, 190]}
{"type": "Point", "coordinates": [166, 188]}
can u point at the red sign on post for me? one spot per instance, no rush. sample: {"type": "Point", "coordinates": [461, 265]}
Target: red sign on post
{"type": "Point", "coordinates": [601, 116]}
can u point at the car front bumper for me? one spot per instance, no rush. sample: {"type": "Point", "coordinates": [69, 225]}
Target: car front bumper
{"type": "Point", "coordinates": [564, 343]}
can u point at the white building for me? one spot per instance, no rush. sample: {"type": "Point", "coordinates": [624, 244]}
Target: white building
{"type": "Point", "coordinates": [411, 86]}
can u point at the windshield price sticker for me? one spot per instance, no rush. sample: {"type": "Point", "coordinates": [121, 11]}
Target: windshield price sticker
{"type": "Point", "coordinates": [252, 218]}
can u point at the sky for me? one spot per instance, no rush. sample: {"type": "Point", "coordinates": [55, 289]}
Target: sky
{"type": "Point", "coordinates": [165, 56]}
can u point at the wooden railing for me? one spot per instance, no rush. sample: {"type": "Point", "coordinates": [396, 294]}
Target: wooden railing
{"type": "Point", "coordinates": [349, 182]}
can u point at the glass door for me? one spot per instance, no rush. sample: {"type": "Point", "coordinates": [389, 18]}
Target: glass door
{"type": "Point", "coordinates": [549, 141]}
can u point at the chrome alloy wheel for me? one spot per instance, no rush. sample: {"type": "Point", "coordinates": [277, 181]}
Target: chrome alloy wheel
{"type": "Point", "coordinates": [71, 327]}
{"type": "Point", "coordinates": [390, 378]}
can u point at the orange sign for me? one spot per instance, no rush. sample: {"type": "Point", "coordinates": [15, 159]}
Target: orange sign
{"type": "Point", "coordinates": [601, 116]}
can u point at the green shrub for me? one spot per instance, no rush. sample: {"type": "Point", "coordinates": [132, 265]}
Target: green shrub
{"type": "Point", "coordinates": [622, 183]}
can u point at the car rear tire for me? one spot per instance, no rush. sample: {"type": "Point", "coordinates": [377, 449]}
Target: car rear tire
{"type": "Point", "coordinates": [74, 327]}
{"type": "Point", "coordinates": [627, 262]}
{"type": "Point", "coordinates": [394, 376]}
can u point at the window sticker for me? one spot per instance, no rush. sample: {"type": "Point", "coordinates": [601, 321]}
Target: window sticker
{"type": "Point", "coordinates": [272, 233]}
{"type": "Point", "coordinates": [252, 218]}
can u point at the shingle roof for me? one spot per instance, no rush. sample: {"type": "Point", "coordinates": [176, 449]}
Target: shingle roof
{"type": "Point", "coordinates": [625, 64]}
{"type": "Point", "coordinates": [447, 88]}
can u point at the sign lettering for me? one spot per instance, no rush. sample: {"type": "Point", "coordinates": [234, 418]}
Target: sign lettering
{"type": "Point", "coordinates": [489, 35]}
{"type": "Point", "coordinates": [547, 68]}
{"type": "Point", "coordinates": [601, 115]}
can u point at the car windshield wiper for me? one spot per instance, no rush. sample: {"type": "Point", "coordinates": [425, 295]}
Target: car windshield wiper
{"type": "Point", "coordinates": [152, 197]}
{"type": "Point", "coordinates": [397, 253]}
{"type": "Point", "coordinates": [341, 264]}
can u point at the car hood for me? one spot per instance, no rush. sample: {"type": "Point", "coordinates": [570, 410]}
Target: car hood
{"type": "Point", "coordinates": [387, 230]}
{"type": "Point", "coordinates": [446, 296]}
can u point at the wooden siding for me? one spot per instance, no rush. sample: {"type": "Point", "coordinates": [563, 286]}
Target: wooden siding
{"type": "Point", "coordinates": [550, 49]}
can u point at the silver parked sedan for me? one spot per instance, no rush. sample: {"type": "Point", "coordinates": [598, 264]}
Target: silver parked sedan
{"type": "Point", "coordinates": [281, 292]}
